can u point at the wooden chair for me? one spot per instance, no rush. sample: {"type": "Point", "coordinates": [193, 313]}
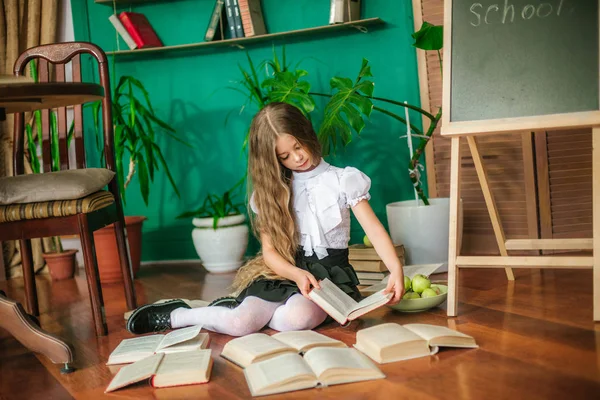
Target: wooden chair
{"type": "Point", "coordinates": [82, 220]}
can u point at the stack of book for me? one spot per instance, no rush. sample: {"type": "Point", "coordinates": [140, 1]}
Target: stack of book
{"type": "Point", "coordinates": [135, 30]}
{"type": "Point", "coordinates": [181, 357]}
{"type": "Point", "coordinates": [368, 265]}
{"type": "Point", "coordinates": [232, 19]}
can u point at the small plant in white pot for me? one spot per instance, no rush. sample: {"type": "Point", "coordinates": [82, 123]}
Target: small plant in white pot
{"type": "Point", "coordinates": [220, 233]}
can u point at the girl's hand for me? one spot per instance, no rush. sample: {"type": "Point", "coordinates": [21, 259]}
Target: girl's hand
{"type": "Point", "coordinates": [304, 280]}
{"type": "Point", "coordinates": [395, 285]}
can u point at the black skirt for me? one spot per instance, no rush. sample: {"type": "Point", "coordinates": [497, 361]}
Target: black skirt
{"type": "Point", "coordinates": [335, 266]}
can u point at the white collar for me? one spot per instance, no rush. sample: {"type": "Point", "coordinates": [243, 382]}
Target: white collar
{"type": "Point", "coordinates": [301, 176]}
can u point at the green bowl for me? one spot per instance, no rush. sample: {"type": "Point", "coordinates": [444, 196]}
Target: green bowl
{"type": "Point", "coordinates": [417, 305]}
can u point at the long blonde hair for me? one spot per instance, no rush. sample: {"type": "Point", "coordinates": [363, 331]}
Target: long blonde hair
{"type": "Point", "coordinates": [271, 184]}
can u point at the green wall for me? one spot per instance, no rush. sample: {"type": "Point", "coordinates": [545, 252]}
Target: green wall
{"type": "Point", "coordinates": [189, 91]}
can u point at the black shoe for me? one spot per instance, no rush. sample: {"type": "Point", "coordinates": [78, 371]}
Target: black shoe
{"type": "Point", "coordinates": [229, 302]}
{"type": "Point", "coordinates": [153, 317]}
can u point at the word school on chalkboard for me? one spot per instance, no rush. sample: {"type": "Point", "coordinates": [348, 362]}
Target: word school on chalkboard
{"type": "Point", "coordinates": [512, 65]}
{"type": "Point", "coordinates": [507, 12]}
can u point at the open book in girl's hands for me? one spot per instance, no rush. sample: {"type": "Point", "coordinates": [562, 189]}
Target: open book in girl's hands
{"type": "Point", "coordinates": [322, 366]}
{"type": "Point", "coordinates": [256, 347]}
{"type": "Point", "coordinates": [343, 308]}
{"type": "Point", "coordinates": [134, 349]}
{"type": "Point", "coordinates": [391, 342]}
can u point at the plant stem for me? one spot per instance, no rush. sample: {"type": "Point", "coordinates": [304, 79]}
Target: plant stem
{"type": "Point", "coordinates": [391, 114]}
{"type": "Point", "coordinates": [440, 60]}
{"type": "Point", "coordinates": [414, 161]}
{"type": "Point", "coordinates": [130, 174]}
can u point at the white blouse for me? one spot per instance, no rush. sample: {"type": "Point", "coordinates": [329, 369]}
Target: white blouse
{"type": "Point", "coordinates": [322, 198]}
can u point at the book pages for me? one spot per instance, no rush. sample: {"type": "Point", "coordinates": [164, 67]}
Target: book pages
{"type": "Point", "coordinates": [246, 349]}
{"type": "Point", "coordinates": [334, 297]}
{"type": "Point", "coordinates": [272, 375]}
{"type": "Point", "coordinates": [179, 336]}
{"type": "Point", "coordinates": [183, 368]}
{"type": "Point", "coordinates": [333, 366]}
{"type": "Point", "coordinates": [136, 372]}
{"type": "Point", "coordinates": [304, 340]}
{"type": "Point", "coordinates": [130, 350]}
{"type": "Point", "coordinates": [442, 336]}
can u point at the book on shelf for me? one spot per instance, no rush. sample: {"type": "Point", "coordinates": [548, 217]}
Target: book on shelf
{"type": "Point", "coordinates": [140, 29]}
{"type": "Point", "coordinates": [320, 366]}
{"type": "Point", "coordinates": [252, 18]}
{"type": "Point", "coordinates": [237, 19]}
{"type": "Point", "coordinates": [362, 252]}
{"type": "Point", "coordinates": [179, 340]}
{"type": "Point", "coordinates": [391, 342]}
{"type": "Point", "coordinates": [166, 370]}
{"type": "Point", "coordinates": [230, 18]}
{"type": "Point", "coordinates": [369, 282]}
{"type": "Point", "coordinates": [215, 25]}
{"type": "Point", "coordinates": [343, 308]}
{"type": "Point", "coordinates": [352, 10]}
{"type": "Point", "coordinates": [372, 276]}
{"type": "Point", "coordinates": [337, 11]}
{"type": "Point", "coordinates": [257, 347]}
{"type": "Point", "coordinates": [118, 25]}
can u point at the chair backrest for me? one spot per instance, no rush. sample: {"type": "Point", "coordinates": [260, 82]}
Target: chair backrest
{"type": "Point", "coordinates": [59, 55]}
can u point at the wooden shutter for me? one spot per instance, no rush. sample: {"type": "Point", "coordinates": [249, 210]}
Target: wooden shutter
{"type": "Point", "coordinates": [564, 166]}
{"type": "Point", "coordinates": [508, 159]}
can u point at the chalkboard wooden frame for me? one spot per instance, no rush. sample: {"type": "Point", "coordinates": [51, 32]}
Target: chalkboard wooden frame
{"type": "Point", "coordinates": [502, 125]}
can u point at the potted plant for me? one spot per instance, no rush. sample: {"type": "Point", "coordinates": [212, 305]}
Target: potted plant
{"type": "Point", "coordinates": [220, 235]}
{"type": "Point", "coordinates": [61, 263]}
{"type": "Point", "coordinates": [423, 230]}
{"type": "Point", "coordinates": [135, 126]}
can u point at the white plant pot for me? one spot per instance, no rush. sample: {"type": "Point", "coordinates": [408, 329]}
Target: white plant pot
{"type": "Point", "coordinates": [223, 249]}
{"type": "Point", "coordinates": [423, 230]}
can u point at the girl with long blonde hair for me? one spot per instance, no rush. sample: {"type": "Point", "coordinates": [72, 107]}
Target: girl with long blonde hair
{"type": "Point", "coordinates": [300, 211]}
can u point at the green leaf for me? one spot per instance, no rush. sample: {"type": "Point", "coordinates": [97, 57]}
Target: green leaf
{"type": "Point", "coordinates": [38, 126]}
{"type": "Point", "coordinates": [286, 87]}
{"type": "Point", "coordinates": [70, 134]}
{"type": "Point", "coordinates": [163, 162]}
{"type": "Point", "coordinates": [35, 162]}
{"type": "Point", "coordinates": [346, 110]}
{"type": "Point", "coordinates": [54, 148]}
{"type": "Point", "coordinates": [142, 170]}
{"type": "Point", "coordinates": [429, 37]}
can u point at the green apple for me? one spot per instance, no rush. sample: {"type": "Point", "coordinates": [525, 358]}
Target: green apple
{"type": "Point", "coordinates": [429, 292]}
{"type": "Point", "coordinates": [420, 283]}
{"type": "Point", "coordinates": [406, 283]}
{"type": "Point", "coordinates": [436, 289]}
{"type": "Point", "coordinates": [411, 295]}
{"type": "Point", "coordinates": [367, 242]}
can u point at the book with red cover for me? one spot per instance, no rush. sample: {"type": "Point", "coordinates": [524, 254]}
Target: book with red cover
{"type": "Point", "coordinates": [140, 29]}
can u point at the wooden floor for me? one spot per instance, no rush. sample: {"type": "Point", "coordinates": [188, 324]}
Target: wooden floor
{"type": "Point", "coordinates": [536, 336]}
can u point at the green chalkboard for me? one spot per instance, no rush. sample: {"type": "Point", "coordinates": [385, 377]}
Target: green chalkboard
{"type": "Point", "coordinates": [520, 58]}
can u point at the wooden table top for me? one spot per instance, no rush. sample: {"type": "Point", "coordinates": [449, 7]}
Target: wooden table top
{"type": "Point", "coordinates": [20, 97]}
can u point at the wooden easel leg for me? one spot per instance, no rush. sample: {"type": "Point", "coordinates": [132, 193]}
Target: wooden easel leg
{"type": "Point", "coordinates": [596, 220]}
{"type": "Point", "coordinates": [489, 202]}
{"type": "Point", "coordinates": [453, 236]}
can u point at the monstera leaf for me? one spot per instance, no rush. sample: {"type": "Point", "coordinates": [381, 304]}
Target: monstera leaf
{"type": "Point", "coordinates": [286, 87]}
{"type": "Point", "coordinates": [429, 37]}
{"type": "Point", "coordinates": [346, 109]}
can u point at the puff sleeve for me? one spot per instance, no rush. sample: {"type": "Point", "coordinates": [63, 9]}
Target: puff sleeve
{"type": "Point", "coordinates": [253, 204]}
{"type": "Point", "coordinates": [355, 186]}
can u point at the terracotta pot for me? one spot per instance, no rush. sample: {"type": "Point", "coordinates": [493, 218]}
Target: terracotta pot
{"type": "Point", "coordinates": [107, 255]}
{"type": "Point", "coordinates": [61, 265]}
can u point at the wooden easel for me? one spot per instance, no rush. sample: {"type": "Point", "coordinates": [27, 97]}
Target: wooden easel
{"type": "Point", "coordinates": [470, 129]}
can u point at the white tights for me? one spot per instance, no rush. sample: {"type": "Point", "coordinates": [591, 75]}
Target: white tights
{"type": "Point", "coordinates": [298, 313]}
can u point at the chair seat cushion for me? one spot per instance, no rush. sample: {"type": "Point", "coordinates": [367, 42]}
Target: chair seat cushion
{"type": "Point", "coordinates": [58, 208]}
{"type": "Point", "coordinates": [62, 185]}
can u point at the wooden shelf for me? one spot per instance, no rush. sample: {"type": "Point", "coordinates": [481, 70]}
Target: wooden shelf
{"type": "Point", "coordinates": [356, 25]}
{"type": "Point", "coordinates": [124, 2]}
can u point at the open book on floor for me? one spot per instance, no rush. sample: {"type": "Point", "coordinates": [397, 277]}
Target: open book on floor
{"type": "Point", "coordinates": [321, 366]}
{"type": "Point", "coordinates": [391, 342]}
{"type": "Point", "coordinates": [256, 347]}
{"type": "Point", "coordinates": [165, 370]}
{"type": "Point", "coordinates": [186, 339]}
{"type": "Point", "coordinates": [343, 308]}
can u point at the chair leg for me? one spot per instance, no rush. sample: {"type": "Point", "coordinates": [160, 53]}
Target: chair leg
{"type": "Point", "coordinates": [92, 275]}
{"type": "Point", "coordinates": [31, 299]}
{"type": "Point", "coordinates": [126, 267]}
